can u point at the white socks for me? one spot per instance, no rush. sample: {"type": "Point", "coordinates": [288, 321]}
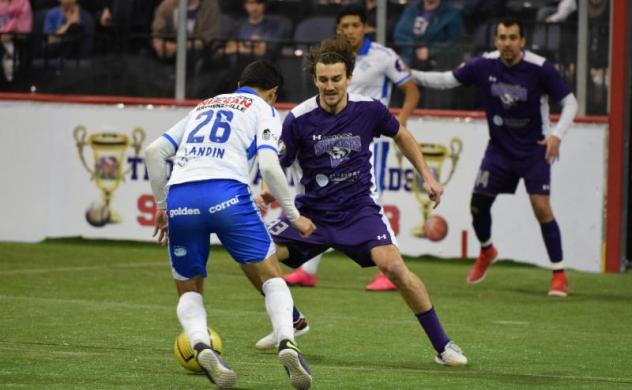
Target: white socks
{"type": "Point", "coordinates": [279, 306]}
{"type": "Point", "coordinates": [311, 266]}
{"type": "Point", "coordinates": [192, 316]}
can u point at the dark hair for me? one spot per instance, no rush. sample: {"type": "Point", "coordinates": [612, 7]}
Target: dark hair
{"type": "Point", "coordinates": [508, 21]}
{"type": "Point", "coordinates": [352, 10]}
{"type": "Point", "coordinates": [257, 1]}
{"type": "Point", "coordinates": [261, 74]}
{"type": "Point", "coordinates": [332, 51]}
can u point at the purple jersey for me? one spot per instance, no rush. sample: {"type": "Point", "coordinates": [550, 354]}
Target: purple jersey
{"type": "Point", "coordinates": [515, 99]}
{"type": "Point", "coordinates": [335, 152]}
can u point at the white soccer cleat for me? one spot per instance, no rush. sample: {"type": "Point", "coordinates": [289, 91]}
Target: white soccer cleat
{"type": "Point", "coordinates": [451, 356]}
{"type": "Point", "coordinates": [269, 341]}
{"type": "Point", "coordinates": [214, 367]}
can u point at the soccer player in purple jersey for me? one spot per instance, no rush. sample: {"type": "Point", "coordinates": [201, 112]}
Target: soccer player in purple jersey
{"type": "Point", "coordinates": [377, 68]}
{"type": "Point", "coordinates": [515, 85]}
{"type": "Point", "coordinates": [331, 136]}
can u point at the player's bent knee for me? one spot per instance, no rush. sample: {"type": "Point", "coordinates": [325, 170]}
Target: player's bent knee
{"type": "Point", "coordinates": [481, 204]}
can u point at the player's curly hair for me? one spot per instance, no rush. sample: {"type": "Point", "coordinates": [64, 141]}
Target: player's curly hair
{"type": "Point", "coordinates": [332, 51]}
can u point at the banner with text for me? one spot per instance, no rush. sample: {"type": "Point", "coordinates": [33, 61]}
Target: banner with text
{"type": "Point", "coordinates": [78, 170]}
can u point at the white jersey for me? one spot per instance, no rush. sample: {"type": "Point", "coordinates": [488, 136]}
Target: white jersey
{"type": "Point", "coordinates": [220, 137]}
{"type": "Point", "coordinates": [377, 67]}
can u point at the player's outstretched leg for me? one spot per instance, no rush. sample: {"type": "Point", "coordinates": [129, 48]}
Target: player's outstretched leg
{"type": "Point", "coordinates": [414, 293]}
{"type": "Point", "coordinates": [216, 370]}
{"type": "Point", "coordinates": [295, 365]}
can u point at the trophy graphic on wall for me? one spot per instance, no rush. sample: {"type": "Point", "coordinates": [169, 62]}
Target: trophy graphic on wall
{"type": "Point", "coordinates": [108, 151]}
{"type": "Point", "coordinates": [433, 227]}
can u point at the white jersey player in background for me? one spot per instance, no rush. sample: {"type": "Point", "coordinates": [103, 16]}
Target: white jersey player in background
{"type": "Point", "coordinates": [377, 68]}
{"type": "Point", "coordinates": [208, 192]}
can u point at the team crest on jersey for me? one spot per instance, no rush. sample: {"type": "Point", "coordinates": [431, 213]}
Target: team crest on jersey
{"type": "Point", "coordinates": [338, 147]}
{"type": "Point", "coordinates": [509, 94]}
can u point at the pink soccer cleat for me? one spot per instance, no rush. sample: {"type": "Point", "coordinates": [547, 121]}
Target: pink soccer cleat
{"type": "Point", "coordinates": [479, 269]}
{"type": "Point", "coordinates": [381, 283]}
{"type": "Point", "coordinates": [559, 285]}
{"type": "Point", "coordinates": [300, 278]}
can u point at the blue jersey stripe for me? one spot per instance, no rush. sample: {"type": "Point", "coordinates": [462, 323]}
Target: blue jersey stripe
{"type": "Point", "coordinates": [268, 147]}
{"type": "Point", "coordinates": [402, 81]}
{"type": "Point", "coordinates": [167, 136]}
{"type": "Point", "coordinates": [385, 87]}
{"type": "Point", "coordinates": [252, 149]}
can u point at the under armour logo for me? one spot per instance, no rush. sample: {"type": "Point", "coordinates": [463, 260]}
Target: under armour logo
{"type": "Point", "coordinates": [381, 236]}
{"type": "Point", "coordinates": [316, 137]}
{"type": "Point", "coordinates": [492, 79]}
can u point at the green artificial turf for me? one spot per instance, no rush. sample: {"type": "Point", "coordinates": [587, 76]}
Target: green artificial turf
{"type": "Point", "coordinates": [101, 315]}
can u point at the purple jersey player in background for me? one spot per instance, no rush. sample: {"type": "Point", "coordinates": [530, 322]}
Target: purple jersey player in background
{"type": "Point", "coordinates": [331, 136]}
{"type": "Point", "coordinates": [514, 85]}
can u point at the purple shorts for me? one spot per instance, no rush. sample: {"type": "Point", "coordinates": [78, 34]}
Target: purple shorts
{"type": "Point", "coordinates": [362, 230]}
{"type": "Point", "coordinates": [500, 175]}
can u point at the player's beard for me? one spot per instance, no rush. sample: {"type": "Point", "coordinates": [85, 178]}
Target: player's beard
{"type": "Point", "coordinates": [509, 56]}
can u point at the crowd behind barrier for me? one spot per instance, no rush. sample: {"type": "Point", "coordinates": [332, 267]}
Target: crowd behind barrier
{"type": "Point", "coordinates": [120, 47]}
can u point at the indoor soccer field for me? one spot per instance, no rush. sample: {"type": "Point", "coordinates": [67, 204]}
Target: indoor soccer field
{"type": "Point", "coordinates": [100, 314]}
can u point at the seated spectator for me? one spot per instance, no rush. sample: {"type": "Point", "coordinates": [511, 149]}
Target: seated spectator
{"type": "Point", "coordinates": [123, 22]}
{"type": "Point", "coordinates": [69, 29]}
{"type": "Point", "coordinates": [425, 24]}
{"type": "Point", "coordinates": [15, 17]}
{"type": "Point", "coordinates": [203, 26]}
{"type": "Point", "coordinates": [258, 34]}
{"type": "Point", "coordinates": [557, 14]}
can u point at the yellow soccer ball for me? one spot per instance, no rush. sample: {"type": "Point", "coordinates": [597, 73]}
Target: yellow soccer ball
{"type": "Point", "coordinates": [185, 355]}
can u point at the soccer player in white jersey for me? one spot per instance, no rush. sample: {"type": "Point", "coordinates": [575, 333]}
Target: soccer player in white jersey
{"type": "Point", "coordinates": [377, 69]}
{"type": "Point", "coordinates": [208, 192]}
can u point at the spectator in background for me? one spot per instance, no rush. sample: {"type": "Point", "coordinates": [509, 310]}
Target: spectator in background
{"type": "Point", "coordinates": [258, 34]}
{"type": "Point", "coordinates": [371, 21]}
{"type": "Point", "coordinates": [598, 58]}
{"type": "Point", "coordinates": [69, 29]}
{"type": "Point", "coordinates": [557, 14]}
{"type": "Point", "coordinates": [15, 17]}
{"type": "Point", "coordinates": [203, 26]}
{"type": "Point", "coordinates": [423, 25]}
{"type": "Point", "coordinates": [123, 20]}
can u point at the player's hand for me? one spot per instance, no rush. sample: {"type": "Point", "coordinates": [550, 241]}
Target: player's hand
{"type": "Point", "coordinates": [263, 200]}
{"type": "Point", "coordinates": [160, 227]}
{"type": "Point", "coordinates": [304, 225]}
{"type": "Point", "coordinates": [552, 148]}
{"type": "Point", "coordinates": [433, 189]}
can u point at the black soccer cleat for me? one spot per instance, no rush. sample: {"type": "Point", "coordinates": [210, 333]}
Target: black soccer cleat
{"type": "Point", "coordinates": [215, 368]}
{"type": "Point", "coordinates": [295, 365]}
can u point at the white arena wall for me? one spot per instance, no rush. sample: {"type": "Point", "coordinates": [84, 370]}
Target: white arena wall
{"type": "Point", "coordinates": [46, 190]}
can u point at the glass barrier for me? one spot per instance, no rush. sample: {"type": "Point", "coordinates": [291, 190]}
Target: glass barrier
{"type": "Point", "coordinates": [107, 62]}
